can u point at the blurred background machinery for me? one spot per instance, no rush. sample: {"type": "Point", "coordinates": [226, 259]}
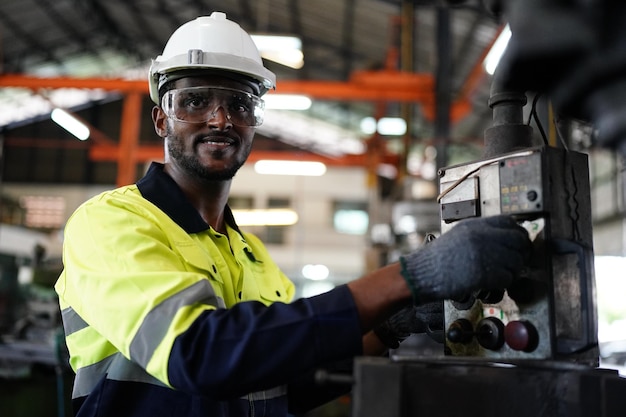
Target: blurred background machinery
{"type": "Point", "coordinates": [33, 356]}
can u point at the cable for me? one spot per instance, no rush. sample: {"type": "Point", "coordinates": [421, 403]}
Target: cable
{"type": "Point", "coordinates": [463, 178]}
{"type": "Point", "coordinates": [559, 134]}
{"type": "Point", "coordinates": [533, 114]}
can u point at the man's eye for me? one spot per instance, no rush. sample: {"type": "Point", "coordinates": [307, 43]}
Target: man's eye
{"type": "Point", "coordinates": [195, 102]}
{"type": "Point", "coordinates": [240, 105]}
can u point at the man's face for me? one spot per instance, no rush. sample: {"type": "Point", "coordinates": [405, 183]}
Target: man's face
{"type": "Point", "coordinates": [212, 150]}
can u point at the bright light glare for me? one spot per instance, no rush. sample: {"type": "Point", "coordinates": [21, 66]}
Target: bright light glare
{"type": "Point", "coordinates": [293, 59]}
{"type": "Point", "coordinates": [315, 272]}
{"type": "Point", "coordinates": [497, 50]}
{"type": "Point", "coordinates": [277, 167]}
{"type": "Point", "coordinates": [611, 288]}
{"type": "Point", "coordinates": [286, 50]}
{"type": "Point", "coordinates": [287, 102]}
{"type": "Point", "coordinates": [392, 126]}
{"type": "Point", "coordinates": [387, 126]}
{"type": "Point", "coordinates": [70, 123]}
{"type": "Point", "coordinates": [276, 42]}
{"type": "Point", "coordinates": [368, 125]}
{"type": "Point", "coordinates": [270, 217]}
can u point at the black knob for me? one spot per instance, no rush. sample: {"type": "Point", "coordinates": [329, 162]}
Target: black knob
{"type": "Point", "coordinates": [490, 333]}
{"type": "Point", "coordinates": [460, 331]}
{"type": "Point", "coordinates": [532, 195]}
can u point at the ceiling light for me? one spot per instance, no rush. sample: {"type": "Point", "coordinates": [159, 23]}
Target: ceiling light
{"type": "Point", "coordinates": [495, 53]}
{"type": "Point", "coordinates": [387, 126]}
{"type": "Point", "coordinates": [287, 102]}
{"type": "Point", "coordinates": [70, 123]}
{"type": "Point", "coordinates": [317, 272]}
{"type": "Point", "coordinates": [269, 217]}
{"type": "Point", "coordinates": [286, 50]}
{"type": "Point", "coordinates": [277, 167]}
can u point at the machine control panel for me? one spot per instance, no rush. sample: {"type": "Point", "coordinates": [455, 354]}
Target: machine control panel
{"type": "Point", "coordinates": [549, 312]}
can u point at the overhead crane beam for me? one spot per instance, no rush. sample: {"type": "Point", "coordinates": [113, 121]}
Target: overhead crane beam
{"type": "Point", "coordinates": [383, 85]}
{"type": "Point", "coordinates": [374, 86]}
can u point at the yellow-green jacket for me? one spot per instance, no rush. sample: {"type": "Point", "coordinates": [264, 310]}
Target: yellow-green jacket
{"type": "Point", "coordinates": [162, 310]}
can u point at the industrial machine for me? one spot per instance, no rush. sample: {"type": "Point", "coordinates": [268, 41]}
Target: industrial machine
{"type": "Point", "coordinates": [527, 350]}
{"type": "Point", "coordinates": [530, 349]}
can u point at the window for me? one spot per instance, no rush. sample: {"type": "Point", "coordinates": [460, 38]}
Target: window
{"type": "Point", "coordinates": [268, 234]}
{"type": "Point", "coordinates": [350, 217]}
{"type": "Point", "coordinates": [240, 202]}
{"type": "Point", "coordinates": [43, 212]}
{"type": "Point", "coordinates": [276, 234]}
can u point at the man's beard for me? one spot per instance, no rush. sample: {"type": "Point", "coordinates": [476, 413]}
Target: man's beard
{"type": "Point", "coordinates": [191, 163]}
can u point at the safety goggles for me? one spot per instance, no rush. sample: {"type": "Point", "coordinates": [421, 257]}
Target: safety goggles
{"type": "Point", "coordinates": [201, 104]}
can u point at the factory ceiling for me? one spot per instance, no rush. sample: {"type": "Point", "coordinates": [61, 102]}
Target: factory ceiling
{"type": "Point", "coordinates": [419, 60]}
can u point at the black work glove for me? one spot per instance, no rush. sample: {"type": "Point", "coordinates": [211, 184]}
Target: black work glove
{"type": "Point", "coordinates": [410, 320]}
{"type": "Point", "coordinates": [480, 253]}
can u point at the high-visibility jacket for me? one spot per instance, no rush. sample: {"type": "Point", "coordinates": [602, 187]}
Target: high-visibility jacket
{"type": "Point", "coordinates": [164, 316]}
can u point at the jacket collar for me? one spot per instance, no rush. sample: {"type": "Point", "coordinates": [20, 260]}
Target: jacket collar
{"type": "Point", "coordinates": [162, 191]}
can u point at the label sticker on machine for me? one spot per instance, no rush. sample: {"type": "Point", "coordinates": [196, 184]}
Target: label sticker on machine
{"type": "Point", "coordinates": [460, 199]}
{"type": "Point", "coordinates": [520, 184]}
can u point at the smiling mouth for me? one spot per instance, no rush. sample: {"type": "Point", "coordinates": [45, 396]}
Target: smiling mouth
{"type": "Point", "coordinates": [213, 141]}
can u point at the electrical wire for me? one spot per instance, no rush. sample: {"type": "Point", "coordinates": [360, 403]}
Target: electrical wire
{"type": "Point", "coordinates": [533, 115]}
{"type": "Point", "coordinates": [463, 178]}
{"type": "Point", "coordinates": [560, 135]}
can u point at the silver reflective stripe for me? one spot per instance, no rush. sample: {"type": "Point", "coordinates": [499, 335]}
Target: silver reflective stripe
{"type": "Point", "coordinates": [276, 392]}
{"type": "Point", "coordinates": [155, 324]}
{"type": "Point", "coordinates": [115, 367]}
{"type": "Point", "coordinates": [72, 322]}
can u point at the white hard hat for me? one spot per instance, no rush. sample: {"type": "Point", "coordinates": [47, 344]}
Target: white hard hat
{"type": "Point", "coordinates": [210, 43]}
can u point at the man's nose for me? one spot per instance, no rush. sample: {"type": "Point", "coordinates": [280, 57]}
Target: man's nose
{"type": "Point", "coordinates": [220, 118]}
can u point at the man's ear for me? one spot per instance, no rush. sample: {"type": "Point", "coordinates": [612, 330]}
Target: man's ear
{"type": "Point", "coordinates": [159, 120]}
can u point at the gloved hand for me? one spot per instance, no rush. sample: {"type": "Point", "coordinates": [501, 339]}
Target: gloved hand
{"type": "Point", "coordinates": [480, 253]}
{"type": "Point", "coordinates": [410, 320]}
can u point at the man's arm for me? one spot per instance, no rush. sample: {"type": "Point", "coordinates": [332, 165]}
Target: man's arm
{"type": "Point", "coordinates": [379, 294]}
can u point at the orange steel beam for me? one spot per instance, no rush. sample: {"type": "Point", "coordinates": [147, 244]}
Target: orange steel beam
{"type": "Point", "coordinates": [129, 139]}
{"type": "Point", "coordinates": [147, 153]}
{"type": "Point", "coordinates": [143, 153]}
{"type": "Point", "coordinates": [364, 86]}
{"type": "Point", "coordinates": [108, 84]}
{"type": "Point", "coordinates": [386, 85]}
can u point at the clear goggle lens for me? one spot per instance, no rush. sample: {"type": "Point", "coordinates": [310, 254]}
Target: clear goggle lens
{"type": "Point", "coordinates": [201, 104]}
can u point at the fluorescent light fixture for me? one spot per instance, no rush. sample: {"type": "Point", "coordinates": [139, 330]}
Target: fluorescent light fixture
{"type": "Point", "coordinates": [269, 217]}
{"type": "Point", "coordinates": [286, 50]}
{"type": "Point", "coordinates": [368, 125]}
{"type": "Point", "coordinates": [277, 167]}
{"type": "Point", "coordinates": [317, 272]}
{"type": "Point", "coordinates": [391, 126]}
{"type": "Point", "coordinates": [70, 123]}
{"type": "Point", "coordinates": [287, 102]}
{"type": "Point", "coordinates": [387, 126]}
{"type": "Point", "coordinates": [497, 50]}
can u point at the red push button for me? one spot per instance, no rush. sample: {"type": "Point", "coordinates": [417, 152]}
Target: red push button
{"type": "Point", "coordinates": [521, 335]}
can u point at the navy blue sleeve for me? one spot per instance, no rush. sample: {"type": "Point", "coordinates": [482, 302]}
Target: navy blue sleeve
{"type": "Point", "coordinates": [251, 347]}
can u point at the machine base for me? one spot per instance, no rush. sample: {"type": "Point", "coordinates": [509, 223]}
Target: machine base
{"type": "Point", "coordinates": [453, 387]}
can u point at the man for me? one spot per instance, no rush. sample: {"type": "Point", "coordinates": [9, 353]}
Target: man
{"type": "Point", "coordinates": [170, 309]}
